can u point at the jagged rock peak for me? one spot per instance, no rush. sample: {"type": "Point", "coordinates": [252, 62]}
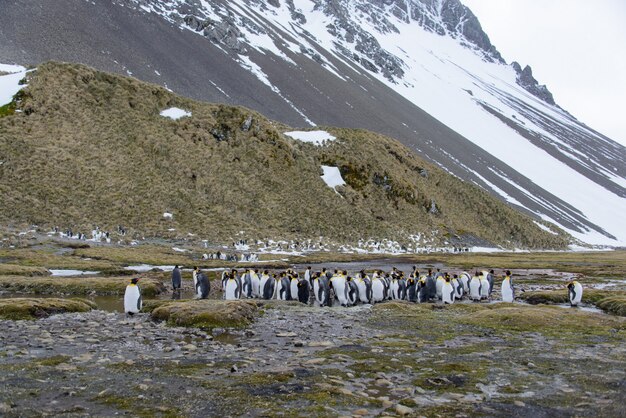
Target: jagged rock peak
{"type": "Point", "coordinates": [529, 83]}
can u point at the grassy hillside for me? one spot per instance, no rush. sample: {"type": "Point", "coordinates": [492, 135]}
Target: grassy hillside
{"type": "Point", "coordinates": [90, 148]}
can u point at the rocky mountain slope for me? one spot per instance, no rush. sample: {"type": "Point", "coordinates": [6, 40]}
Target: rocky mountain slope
{"type": "Point", "coordinates": [422, 71]}
{"type": "Point", "coordinates": [81, 147]}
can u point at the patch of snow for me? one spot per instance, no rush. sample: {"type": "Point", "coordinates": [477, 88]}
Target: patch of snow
{"type": "Point", "coordinates": [168, 215]}
{"type": "Point", "coordinates": [312, 137]}
{"type": "Point", "coordinates": [180, 250]}
{"type": "Point", "coordinates": [175, 113]}
{"type": "Point", "coordinates": [9, 83]}
{"type": "Point", "coordinates": [332, 177]}
{"type": "Point", "coordinates": [67, 273]}
{"type": "Point", "coordinates": [142, 268]}
{"type": "Point", "coordinates": [545, 228]}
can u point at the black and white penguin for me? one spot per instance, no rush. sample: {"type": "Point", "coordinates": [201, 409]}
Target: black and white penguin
{"type": "Point", "coordinates": [423, 295]}
{"type": "Point", "coordinates": [338, 283]}
{"type": "Point", "coordinates": [457, 286]}
{"type": "Point", "coordinates": [284, 290]}
{"type": "Point", "coordinates": [303, 291]}
{"type": "Point", "coordinates": [293, 285]}
{"type": "Point", "coordinates": [465, 278]}
{"type": "Point", "coordinates": [447, 291]}
{"type": "Point", "coordinates": [364, 284]}
{"type": "Point", "coordinates": [475, 286]}
{"type": "Point", "coordinates": [194, 276]}
{"type": "Point", "coordinates": [411, 289]}
{"type": "Point", "coordinates": [256, 283]}
{"type": "Point", "coordinates": [490, 279]}
{"type": "Point", "coordinates": [269, 285]}
{"type": "Point", "coordinates": [132, 298]}
{"type": "Point", "coordinates": [378, 288]}
{"type": "Point", "coordinates": [321, 288]}
{"type": "Point", "coordinates": [508, 291]}
{"type": "Point", "coordinates": [484, 285]}
{"type": "Point", "coordinates": [431, 285]}
{"type": "Point", "coordinates": [246, 285]}
{"type": "Point", "coordinates": [233, 288]}
{"type": "Point", "coordinates": [353, 291]}
{"type": "Point", "coordinates": [439, 282]}
{"type": "Point", "coordinates": [575, 292]}
{"type": "Point", "coordinates": [203, 286]}
{"type": "Point", "coordinates": [176, 278]}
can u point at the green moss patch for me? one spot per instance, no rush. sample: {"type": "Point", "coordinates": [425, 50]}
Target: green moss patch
{"type": "Point", "coordinates": [77, 285]}
{"type": "Point", "coordinates": [207, 314]}
{"type": "Point", "coordinates": [31, 308]}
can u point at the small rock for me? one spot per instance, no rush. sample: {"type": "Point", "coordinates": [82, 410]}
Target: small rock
{"type": "Point", "coordinates": [350, 375]}
{"type": "Point", "coordinates": [143, 386]}
{"type": "Point", "coordinates": [129, 362]}
{"type": "Point", "coordinates": [315, 361]}
{"type": "Point", "coordinates": [383, 382]}
{"type": "Point", "coordinates": [233, 369]}
{"type": "Point", "coordinates": [361, 412]}
{"type": "Point", "coordinates": [344, 391]}
{"type": "Point", "coordinates": [403, 410]}
{"type": "Point", "coordinates": [321, 344]}
{"type": "Point", "coordinates": [190, 347]}
{"type": "Point", "coordinates": [298, 344]}
{"type": "Point", "coordinates": [103, 393]}
{"type": "Point", "coordinates": [4, 408]}
{"type": "Point", "coordinates": [64, 367]}
{"type": "Point", "coordinates": [519, 403]}
{"type": "Point", "coordinates": [387, 404]}
{"type": "Point", "coordinates": [286, 334]}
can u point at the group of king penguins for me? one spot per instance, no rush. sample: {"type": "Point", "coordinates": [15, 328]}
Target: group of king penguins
{"type": "Point", "coordinates": [325, 287]}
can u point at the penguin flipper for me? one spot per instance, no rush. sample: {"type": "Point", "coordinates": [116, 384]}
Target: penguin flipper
{"type": "Point", "coordinates": [139, 302]}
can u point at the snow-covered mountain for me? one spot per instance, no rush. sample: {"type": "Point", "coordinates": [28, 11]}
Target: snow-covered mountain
{"type": "Point", "coordinates": [422, 71]}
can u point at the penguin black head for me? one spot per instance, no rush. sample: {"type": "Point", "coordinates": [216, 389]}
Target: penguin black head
{"type": "Point", "coordinates": [345, 273]}
{"type": "Point", "coordinates": [456, 276]}
{"type": "Point", "coordinates": [134, 280]}
{"type": "Point", "coordinates": [508, 272]}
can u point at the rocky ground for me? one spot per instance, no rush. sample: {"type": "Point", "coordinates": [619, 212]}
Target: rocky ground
{"type": "Point", "coordinates": [294, 360]}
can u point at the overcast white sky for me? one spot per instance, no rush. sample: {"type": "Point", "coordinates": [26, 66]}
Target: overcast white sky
{"type": "Point", "coordinates": [576, 47]}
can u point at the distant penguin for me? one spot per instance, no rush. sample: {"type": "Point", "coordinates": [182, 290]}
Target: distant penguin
{"type": "Point", "coordinates": [132, 298]}
{"type": "Point", "coordinates": [394, 287]}
{"type": "Point", "coordinates": [475, 288]}
{"type": "Point", "coordinates": [378, 289]}
{"type": "Point", "coordinates": [458, 287]}
{"type": "Point", "coordinates": [308, 276]}
{"type": "Point", "coordinates": [484, 285]}
{"type": "Point", "coordinates": [176, 278]}
{"type": "Point", "coordinates": [447, 291]}
{"type": "Point", "coordinates": [283, 289]}
{"type": "Point", "coordinates": [203, 286]}
{"type": "Point", "coordinates": [575, 292]}
{"type": "Point", "coordinates": [225, 275]}
{"type": "Point", "coordinates": [508, 292]}
{"type": "Point", "coordinates": [303, 291]}
{"type": "Point", "coordinates": [268, 285]}
{"type": "Point", "coordinates": [233, 288]}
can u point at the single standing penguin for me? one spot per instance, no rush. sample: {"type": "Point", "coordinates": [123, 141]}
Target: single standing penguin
{"type": "Point", "coordinates": [283, 288]}
{"type": "Point", "coordinates": [475, 288]}
{"type": "Point", "coordinates": [484, 285]}
{"type": "Point", "coordinates": [422, 290]}
{"type": "Point", "coordinates": [176, 278]}
{"type": "Point", "coordinates": [293, 284]}
{"type": "Point", "coordinates": [439, 282]}
{"type": "Point", "coordinates": [225, 275]}
{"type": "Point", "coordinates": [338, 282]}
{"type": "Point", "coordinates": [256, 283]}
{"type": "Point", "coordinates": [447, 291]}
{"type": "Point", "coordinates": [575, 291]}
{"type": "Point", "coordinates": [490, 279]}
{"type": "Point", "coordinates": [132, 298]}
{"type": "Point", "coordinates": [203, 286]}
{"type": "Point", "coordinates": [364, 284]}
{"type": "Point", "coordinates": [508, 292]}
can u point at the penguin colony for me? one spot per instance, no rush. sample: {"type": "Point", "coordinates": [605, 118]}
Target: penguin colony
{"type": "Point", "coordinates": [325, 288]}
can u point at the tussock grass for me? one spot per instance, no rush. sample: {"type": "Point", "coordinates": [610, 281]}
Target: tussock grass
{"type": "Point", "coordinates": [91, 148]}
{"type": "Point", "coordinates": [17, 270]}
{"type": "Point", "coordinates": [143, 254]}
{"type": "Point", "coordinates": [206, 314]}
{"type": "Point", "coordinates": [31, 308]}
{"type": "Point", "coordinates": [77, 285]}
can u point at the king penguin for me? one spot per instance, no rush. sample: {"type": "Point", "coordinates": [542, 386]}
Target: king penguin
{"type": "Point", "coordinates": [233, 288]}
{"type": "Point", "coordinates": [575, 291]}
{"type": "Point", "coordinates": [447, 290]}
{"type": "Point", "coordinates": [132, 298]}
{"type": "Point", "coordinates": [484, 285]}
{"type": "Point", "coordinates": [176, 278]}
{"type": "Point", "coordinates": [203, 286]}
{"type": "Point", "coordinates": [508, 292]}
{"type": "Point", "coordinates": [475, 288]}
